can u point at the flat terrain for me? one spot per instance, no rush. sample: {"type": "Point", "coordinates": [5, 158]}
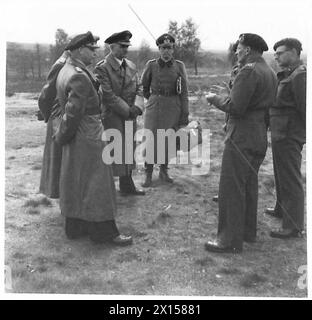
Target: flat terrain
{"type": "Point", "coordinates": [169, 226]}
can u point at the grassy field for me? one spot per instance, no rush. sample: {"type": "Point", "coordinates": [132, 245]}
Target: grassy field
{"type": "Point", "coordinates": [169, 226]}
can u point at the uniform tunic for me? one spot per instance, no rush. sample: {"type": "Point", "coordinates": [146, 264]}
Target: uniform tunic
{"type": "Point", "coordinates": [253, 92]}
{"type": "Point", "coordinates": [120, 91]}
{"type": "Point", "coordinates": [165, 106]}
{"type": "Point", "coordinates": [288, 134]}
{"type": "Point", "coordinates": [87, 189]}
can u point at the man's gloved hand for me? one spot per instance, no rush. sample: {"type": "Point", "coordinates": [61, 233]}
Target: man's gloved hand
{"type": "Point", "coordinates": [184, 120]}
{"type": "Point", "coordinates": [134, 112]}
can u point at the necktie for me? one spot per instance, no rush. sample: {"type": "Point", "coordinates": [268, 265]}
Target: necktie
{"type": "Point", "coordinates": [123, 64]}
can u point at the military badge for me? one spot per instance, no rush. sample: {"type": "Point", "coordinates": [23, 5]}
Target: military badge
{"type": "Point", "coordinates": [166, 41]}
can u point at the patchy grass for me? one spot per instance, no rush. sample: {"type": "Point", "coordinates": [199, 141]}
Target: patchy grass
{"type": "Point", "coordinates": [251, 280]}
{"type": "Point", "coordinates": [169, 226]}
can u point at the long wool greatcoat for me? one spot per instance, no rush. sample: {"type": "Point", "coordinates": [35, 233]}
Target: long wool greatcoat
{"type": "Point", "coordinates": [120, 91]}
{"type": "Point", "coordinates": [87, 189]}
{"type": "Point", "coordinates": [52, 154]}
{"type": "Point", "coordinates": [165, 105]}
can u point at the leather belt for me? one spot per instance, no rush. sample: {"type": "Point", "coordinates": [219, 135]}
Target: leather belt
{"type": "Point", "coordinates": [164, 92]}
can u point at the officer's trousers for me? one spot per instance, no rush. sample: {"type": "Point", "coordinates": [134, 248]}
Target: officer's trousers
{"type": "Point", "coordinates": [288, 182]}
{"type": "Point", "coordinates": [238, 195]}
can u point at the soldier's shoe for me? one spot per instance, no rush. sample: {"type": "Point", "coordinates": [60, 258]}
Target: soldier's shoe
{"type": "Point", "coordinates": [274, 213]}
{"type": "Point", "coordinates": [215, 246]}
{"type": "Point", "coordinates": [163, 175]}
{"type": "Point", "coordinates": [148, 180]}
{"type": "Point", "coordinates": [122, 240]}
{"type": "Point", "coordinates": [215, 198]}
{"type": "Point", "coordinates": [286, 233]}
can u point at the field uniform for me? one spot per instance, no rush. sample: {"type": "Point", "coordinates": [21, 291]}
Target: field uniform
{"type": "Point", "coordinates": [288, 134]}
{"type": "Point", "coordinates": [165, 106]}
{"type": "Point", "coordinates": [253, 92]}
{"type": "Point", "coordinates": [121, 102]}
{"type": "Point", "coordinates": [165, 86]}
{"type": "Point", "coordinates": [119, 87]}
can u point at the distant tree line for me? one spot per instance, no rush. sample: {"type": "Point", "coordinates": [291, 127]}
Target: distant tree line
{"type": "Point", "coordinates": [30, 63]}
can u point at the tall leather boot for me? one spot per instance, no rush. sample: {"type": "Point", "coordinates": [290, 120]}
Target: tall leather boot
{"type": "Point", "coordinates": [163, 173]}
{"type": "Point", "coordinates": [148, 175]}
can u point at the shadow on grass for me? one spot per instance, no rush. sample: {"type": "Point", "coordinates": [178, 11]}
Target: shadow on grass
{"type": "Point", "coordinates": [34, 203]}
{"type": "Point", "coordinates": [36, 167]}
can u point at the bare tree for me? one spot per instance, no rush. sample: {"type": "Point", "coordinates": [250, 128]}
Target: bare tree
{"type": "Point", "coordinates": [145, 53]}
{"type": "Point", "coordinates": [187, 42]}
{"type": "Point", "coordinates": [38, 58]}
{"type": "Point", "coordinates": [61, 40]}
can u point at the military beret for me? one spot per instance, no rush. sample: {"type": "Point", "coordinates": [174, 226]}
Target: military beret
{"type": "Point", "coordinates": [165, 40]}
{"type": "Point", "coordinates": [84, 39]}
{"type": "Point", "coordinates": [253, 41]}
{"type": "Point", "coordinates": [122, 38]}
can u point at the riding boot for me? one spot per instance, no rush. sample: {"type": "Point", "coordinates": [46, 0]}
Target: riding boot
{"type": "Point", "coordinates": [163, 173]}
{"type": "Point", "coordinates": [148, 175]}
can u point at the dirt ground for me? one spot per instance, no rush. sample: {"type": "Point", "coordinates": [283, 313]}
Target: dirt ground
{"type": "Point", "coordinates": [169, 225]}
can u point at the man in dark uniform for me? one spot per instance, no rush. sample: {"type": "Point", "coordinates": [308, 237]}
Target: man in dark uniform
{"type": "Point", "coordinates": [288, 134]}
{"type": "Point", "coordinates": [121, 101]}
{"type": "Point", "coordinates": [87, 189]}
{"type": "Point", "coordinates": [253, 92]}
{"type": "Point", "coordinates": [164, 83]}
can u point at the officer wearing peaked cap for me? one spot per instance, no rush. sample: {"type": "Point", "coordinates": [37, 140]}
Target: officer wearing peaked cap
{"type": "Point", "coordinates": [122, 102]}
{"type": "Point", "coordinates": [164, 83]}
{"type": "Point", "coordinates": [85, 39]}
{"type": "Point", "coordinates": [87, 190]}
{"type": "Point", "coordinates": [247, 103]}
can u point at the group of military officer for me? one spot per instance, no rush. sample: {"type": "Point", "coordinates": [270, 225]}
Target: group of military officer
{"type": "Point", "coordinates": [78, 104]}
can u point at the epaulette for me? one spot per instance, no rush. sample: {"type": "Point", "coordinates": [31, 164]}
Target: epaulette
{"type": "Point", "coordinates": [78, 69]}
{"type": "Point", "coordinates": [100, 62]}
{"type": "Point", "coordinates": [302, 68]}
{"type": "Point", "coordinates": [152, 60]}
{"type": "Point", "coordinates": [179, 61]}
{"type": "Point", "coordinates": [62, 60]}
{"type": "Point", "coordinates": [249, 65]}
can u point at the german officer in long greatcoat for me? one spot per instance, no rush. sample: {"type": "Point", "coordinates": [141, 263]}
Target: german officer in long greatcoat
{"type": "Point", "coordinates": [119, 86]}
{"type": "Point", "coordinates": [87, 190]}
{"type": "Point", "coordinates": [247, 104]}
{"type": "Point", "coordinates": [288, 134]}
{"type": "Point", "coordinates": [50, 111]}
{"type": "Point", "coordinates": [164, 84]}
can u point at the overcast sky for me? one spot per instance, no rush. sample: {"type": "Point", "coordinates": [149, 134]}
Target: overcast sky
{"type": "Point", "coordinates": [220, 21]}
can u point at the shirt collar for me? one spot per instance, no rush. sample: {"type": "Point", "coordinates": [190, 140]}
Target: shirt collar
{"type": "Point", "coordinates": [288, 71]}
{"type": "Point", "coordinates": [163, 63]}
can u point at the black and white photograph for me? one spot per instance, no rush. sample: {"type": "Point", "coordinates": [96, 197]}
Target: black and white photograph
{"type": "Point", "coordinates": [155, 149]}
